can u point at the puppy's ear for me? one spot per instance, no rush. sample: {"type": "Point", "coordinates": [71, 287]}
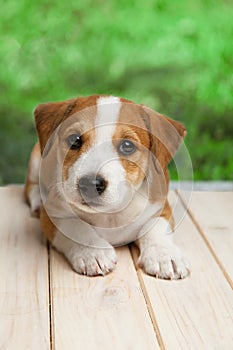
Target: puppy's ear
{"type": "Point", "coordinates": [48, 116]}
{"type": "Point", "coordinates": [166, 135]}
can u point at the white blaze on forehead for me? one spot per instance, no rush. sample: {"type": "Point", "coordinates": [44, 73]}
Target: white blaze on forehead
{"type": "Point", "coordinates": [105, 158]}
{"type": "Point", "coordinates": [108, 109]}
{"type": "Point", "coordinates": [102, 157]}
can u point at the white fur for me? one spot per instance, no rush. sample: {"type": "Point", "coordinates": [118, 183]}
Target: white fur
{"type": "Point", "coordinates": [159, 256]}
{"type": "Point", "coordinates": [87, 259]}
{"type": "Point", "coordinates": [34, 197]}
{"type": "Point", "coordinates": [108, 109]}
{"type": "Point", "coordinates": [34, 168]}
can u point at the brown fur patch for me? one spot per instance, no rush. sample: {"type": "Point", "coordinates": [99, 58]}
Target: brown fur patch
{"type": "Point", "coordinates": [167, 214]}
{"type": "Point", "coordinates": [131, 127]}
{"type": "Point", "coordinates": [72, 155]}
{"type": "Point", "coordinates": [49, 116]}
{"type": "Point", "coordinates": [166, 136]}
{"type": "Point", "coordinates": [47, 226]}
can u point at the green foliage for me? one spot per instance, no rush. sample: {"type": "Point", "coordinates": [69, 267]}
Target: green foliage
{"type": "Point", "coordinates": [175, 56]}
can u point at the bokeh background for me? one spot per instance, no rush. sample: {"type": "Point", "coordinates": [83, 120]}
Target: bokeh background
{"type": "Point", "coordinates": [175, 56]}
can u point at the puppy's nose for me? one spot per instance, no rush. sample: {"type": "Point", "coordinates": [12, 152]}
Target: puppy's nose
{"type": "Point", "coordinates": [92, 186]}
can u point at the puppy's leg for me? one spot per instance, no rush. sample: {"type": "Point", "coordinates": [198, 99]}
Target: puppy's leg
{"type": "Point", "coordinates": [31, 190]}
{"type": "Point", "coordinates": [85, 250]}
{"type": "Point", "coordinates": [159, 256]}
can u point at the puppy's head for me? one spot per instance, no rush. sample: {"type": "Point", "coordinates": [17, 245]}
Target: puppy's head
{"type": "Point", "coordinates": [107, 149]}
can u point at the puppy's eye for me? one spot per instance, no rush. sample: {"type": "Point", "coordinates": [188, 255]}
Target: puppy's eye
{"type": "Point", "coordinates": [127, 147]}
{"type": "Point", "coordinates": [74, 141]}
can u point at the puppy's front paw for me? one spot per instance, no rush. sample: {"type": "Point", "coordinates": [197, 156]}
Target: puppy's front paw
{"type": "Point", "coordinates": [164, 262]}
{"type": "Point", "coordinates": [92, 261]}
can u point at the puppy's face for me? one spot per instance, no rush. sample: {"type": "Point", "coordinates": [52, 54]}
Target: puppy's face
{"type": "Point", "coordinates": [103, 149]}
{"type": "Point", "coordinates": [104, 155]}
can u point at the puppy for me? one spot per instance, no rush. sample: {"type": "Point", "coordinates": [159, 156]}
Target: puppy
{"type": "Point", "coordinates": [98, 177]}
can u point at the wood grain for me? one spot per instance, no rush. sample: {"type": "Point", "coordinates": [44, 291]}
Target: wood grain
{"type": "Point", "coordinates": [126, 309]}
{"type": "Point", "coordinates": [197, 312]}
{"type": "Point", "coordinates": [24, 314]}
{"type": "Point", "coordinates": [213, 214]}
{"type": "Point", "coordinates": [102, 312]}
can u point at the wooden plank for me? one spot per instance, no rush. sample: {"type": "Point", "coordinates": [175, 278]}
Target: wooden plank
{"type": "Point", "coordinates": [99, 312]}
{"type": "Point", "coordinates": [24, 316]}
{"type": "Point", "coordinates": [197, 312]}
{"type": "Point", "coordinates": [213, 214]}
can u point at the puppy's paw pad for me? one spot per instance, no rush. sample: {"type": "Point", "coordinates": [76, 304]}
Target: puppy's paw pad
{"type": "Point", "coordinates": [164, 262]}
{"type": "Point", "coordinates": [93, 261]}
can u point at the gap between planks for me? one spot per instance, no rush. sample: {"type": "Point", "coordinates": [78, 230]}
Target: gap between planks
{"type": "Point", "coordinates": [176, 303]}
{"type": "Point", "coordinates": [95, 305]}
{"type": "Point", "coordinates": [202, 234]}
{"type": "Point", "coordinates": [146, 297]}
{"type": "Point", "coordinates": [149, 304]}
{"type": "Point", "coordinates": [50, 295]}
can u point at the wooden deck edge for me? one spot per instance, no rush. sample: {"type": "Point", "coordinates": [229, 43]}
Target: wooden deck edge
{"type": "Point", "coordinates": [202, 185]}
{"type": "Point", "coordinates": [186, 185]}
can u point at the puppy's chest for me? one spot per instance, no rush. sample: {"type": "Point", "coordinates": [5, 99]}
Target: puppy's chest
{"type": "Point", "coordinates": [126, 226]}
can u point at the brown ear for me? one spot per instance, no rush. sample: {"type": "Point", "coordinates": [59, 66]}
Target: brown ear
{"type": "Point", "coordinates": [48, 117]}
{"type": "Point", "coordinates": [166, 135]}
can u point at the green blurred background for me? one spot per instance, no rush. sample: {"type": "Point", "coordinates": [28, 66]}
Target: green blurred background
{"type": "Point", "coordinates": [175, 56]}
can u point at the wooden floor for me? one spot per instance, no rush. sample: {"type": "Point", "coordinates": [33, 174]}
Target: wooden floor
{"type": "Point", "coordinates": [45, 305]}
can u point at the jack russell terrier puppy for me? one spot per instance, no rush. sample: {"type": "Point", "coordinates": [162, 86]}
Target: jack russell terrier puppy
{"type": "Point", "coordinates": [98, 178]}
